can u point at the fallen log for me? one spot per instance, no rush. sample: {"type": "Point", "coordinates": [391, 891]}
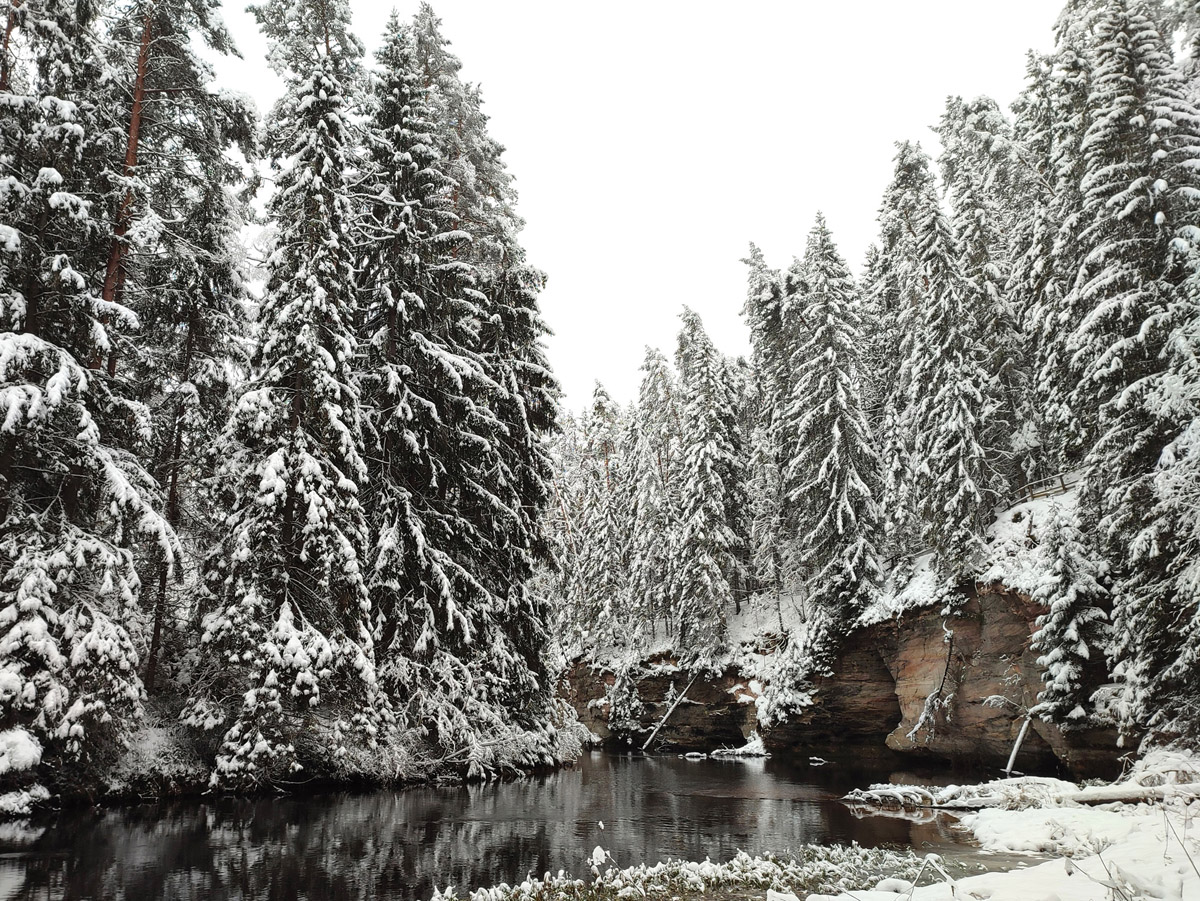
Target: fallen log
{"type": "Point", "coordinates": [911, 797]}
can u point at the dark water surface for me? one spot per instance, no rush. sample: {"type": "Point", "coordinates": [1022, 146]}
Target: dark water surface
{"type": "Point", "coordinates": [401, 844]}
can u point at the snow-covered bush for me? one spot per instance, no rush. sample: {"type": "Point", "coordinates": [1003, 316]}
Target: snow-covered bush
{"type": "Point", "coordinates": [625, 707]}
{"type": "Point", "coordinates": [19, 751]}
{"type": "Point", "coordinates": [787, 675]}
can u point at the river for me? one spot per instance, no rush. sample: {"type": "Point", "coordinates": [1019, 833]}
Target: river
{"type": "Point", "coordinates": [401, 844]}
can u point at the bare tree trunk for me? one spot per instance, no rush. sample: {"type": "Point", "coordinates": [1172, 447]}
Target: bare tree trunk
{"type": "Point", "coordinates": [9, 28]}
{"type": "Point", "coordinates": [114, 275]}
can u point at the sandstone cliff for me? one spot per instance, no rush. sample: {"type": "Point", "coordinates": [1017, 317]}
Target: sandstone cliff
{"type": "Point", "coordinates": [916, 685]}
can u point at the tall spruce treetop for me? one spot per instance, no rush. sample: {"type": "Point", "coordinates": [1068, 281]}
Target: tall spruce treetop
{"type": "Point", "coordinates": [654, 463]}
{"type": "Point", "coordinates": [893, 322]}
{"type": "Point", "coordinates": [483, 195]}
{"type": "Point", "coordinates": [994, 326]}
{"type": "Point", "coordinates": [988, 187]}
{"type": "Point", "coordinates": [947, 391]}
{"type": "Point", "coordinates": [1139, 183]}
{"type": "Point", "coordinates": [289, 613]}
{"type": "Point", "coordinates": [1056, 306]}
{"type": "Point", "coordinates": [524, 394]}
{"type": "Point", "coordinates": [978, 145]}
{"type": "Point", "coordinates": [773, 331]}
{"type": "Point", "coordinates": [708, 541]}
{"type": "Point", "coordinates": [832, 483]}
{"type": "Point", "coordinates": [1048, 128]}
{"type": "Point", "coordinates": [428, 432]}
{"type": "Point", "coordinates": [765, 314]}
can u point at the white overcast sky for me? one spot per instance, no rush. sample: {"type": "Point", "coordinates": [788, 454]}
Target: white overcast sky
{"type": "Point", "coordinates": [652, 141]}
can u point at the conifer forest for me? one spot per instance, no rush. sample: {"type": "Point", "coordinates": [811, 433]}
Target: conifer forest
{"type": "Point", "coordinates": [288, 487]}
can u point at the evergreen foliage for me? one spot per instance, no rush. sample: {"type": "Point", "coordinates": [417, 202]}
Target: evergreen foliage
{"type": "Point", "coordinates": [1137, 282]}
{"type": "Point", "coordinates": [833, 482]}
{"type": "Point", "coordinates": [707, 542]}
{"type": "Point", "coordinates": [75, 496]}
{"type": "Point", "coordinates": [654, 518]}
{"type": "Point", "coordinates": [1074, 632]}
{"type": "Point", "coordinates": [289, 616]}
{"type": "Point", "coordinates": [334, 521]}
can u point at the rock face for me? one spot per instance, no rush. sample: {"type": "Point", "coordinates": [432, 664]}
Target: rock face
{"type": "Point", "coordinates": [965, 681]}
{"type": "Point", "coordinates": [952, 687]}
{"type": "Point", "coordinates": [714, 713]}
{"type": "Point", "coordinates": [856, 708]}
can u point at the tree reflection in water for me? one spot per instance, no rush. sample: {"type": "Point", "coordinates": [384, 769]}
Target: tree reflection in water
{"type": "Point", "coordinates": [400, 845]}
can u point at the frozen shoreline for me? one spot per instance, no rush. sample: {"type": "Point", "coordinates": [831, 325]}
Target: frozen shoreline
{"type": "Point", "coordinates": [1136, 839]}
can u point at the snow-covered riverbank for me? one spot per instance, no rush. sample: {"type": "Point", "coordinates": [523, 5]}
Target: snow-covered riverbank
{"type": "Point", "coordinates": [1136, 839]}
{"type": "Point", "coordinates": [1122, 852]}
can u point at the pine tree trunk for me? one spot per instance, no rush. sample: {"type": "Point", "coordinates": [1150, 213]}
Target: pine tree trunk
{"type": "Point", "coordinates": [114, 276]}
{"type": "Point", "coordinates": [10, 26]}
{"type": "Point", "coordinates": [160, 609]}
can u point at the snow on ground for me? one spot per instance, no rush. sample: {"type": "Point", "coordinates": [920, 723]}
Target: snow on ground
{"type": "Point", "coordinates": [1015, 558]}
{"type": "Point", "coordinates": [1126, 851]}
{"type": "Point", "coordinates": [1015, 555]}
{"type": "Point", "coordinates": [1134, 853]}
{"type": "Point", "coordinates": [833, 868]}
{"type": "Point", "coordinates": [761, 615]}
{"type": "Point", "coordinates": [924, 589]}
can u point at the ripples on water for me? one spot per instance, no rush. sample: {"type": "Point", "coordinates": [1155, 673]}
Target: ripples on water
{"type": "Point", "coordinates": [400, 845]}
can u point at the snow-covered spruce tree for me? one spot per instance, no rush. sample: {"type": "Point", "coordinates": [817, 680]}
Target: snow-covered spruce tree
{"type": "Point", "coordinates": [833, 482]}
{"type": "Point", "coordinates": [1073, 634]}
{"type": "Point", "coordinates": [430, 436]}
{"type": "Point", "coordinates": [525, 402]}
{"type": "Point", "coordinates": [978, 144]}
{"type": "Point", "coordinates": [892, 324]}
{"type": "Point", "coordinates": [73, 499]}
{"type": "Point", "coordinates": [483, 194]}
{"type": "Point", "coordinates": [601, 577]}
{"type": "Point", "coordinates": [771, 324]}
{"type": "Point", "coordinates": [984, 184]}
{"type": "Point", "coordinates": [287, 620]}
{"type": "Point", "coordinates": [1046, 281]}
{"type": "Point", "coordinates": [654, 533]}
{"type": "Point", "coordinates": [524, 392]}
{"type": "Point", "coordinates": [1189, 59]}
{"type": "Point", "coordinates": [1175, 638]}
{"type": "Point", "coordinates": [734, 383]}
{"type": "Point", "coordinates": [707, 541]}
{"type": "Point", "coordinates": [1137, 284]}
{"type": "Point", "coordinates": [950, 398]}
{"type": "Point", "coordinates": [563, 524]}
{"type": "Point", "coordinates": [1078, 18]}
{"type": "Point", "coordinates": [1031, 242]}
{"type": "Point", "coordinates": [992, 324]}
